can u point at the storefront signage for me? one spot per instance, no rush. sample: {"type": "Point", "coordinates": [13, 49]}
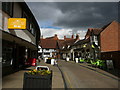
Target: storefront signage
{"type": "Point", "coordinates": [17, 23]}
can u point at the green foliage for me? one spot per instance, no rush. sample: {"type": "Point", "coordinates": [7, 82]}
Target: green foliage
{"type": "Point", "coordinates": [98, 62]}
{"type": "Point", "coordinates": [88, 60]}
{"type": "Point", "coordinates": [82, 60]}
{"type": "Point", "coordinates": [93, 62]}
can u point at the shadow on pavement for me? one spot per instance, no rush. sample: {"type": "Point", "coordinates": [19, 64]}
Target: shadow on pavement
{"type": "Point", "coordinates": [95, 69]}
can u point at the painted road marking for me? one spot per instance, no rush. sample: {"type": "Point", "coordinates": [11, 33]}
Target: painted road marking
{"type": "Point", "coordinates": [68, 80]}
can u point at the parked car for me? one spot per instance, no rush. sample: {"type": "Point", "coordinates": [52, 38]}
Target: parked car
{"type": "Point", "coordinates": [31, 62]}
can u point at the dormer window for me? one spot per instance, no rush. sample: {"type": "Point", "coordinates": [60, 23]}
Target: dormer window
{"type": "Point", "coordinates": [95, 38]}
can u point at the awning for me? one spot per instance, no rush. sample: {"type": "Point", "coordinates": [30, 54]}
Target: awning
{"type": "Point", "coordinates": [20, 41]}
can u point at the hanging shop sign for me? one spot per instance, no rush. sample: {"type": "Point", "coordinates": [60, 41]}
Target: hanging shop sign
{"type": "Point", "coordinates": [17, 23]}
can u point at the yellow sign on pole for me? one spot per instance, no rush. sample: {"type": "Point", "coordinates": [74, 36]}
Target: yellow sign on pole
{"type": "Point", "coordinates": [17, 23]}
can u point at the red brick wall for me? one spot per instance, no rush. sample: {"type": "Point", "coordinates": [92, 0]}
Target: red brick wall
{"type": "Point", "coordinates": [109, 38]}
{"type": "Point", "coordinates": [119, 37]}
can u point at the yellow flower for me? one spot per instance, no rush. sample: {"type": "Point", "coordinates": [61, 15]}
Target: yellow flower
{"type": "Point", "coordinates": [41, 72]}
{"type": "Point", "coordinates": [29, 71]}
{"type": "Point", "coordinates": [34, 70]}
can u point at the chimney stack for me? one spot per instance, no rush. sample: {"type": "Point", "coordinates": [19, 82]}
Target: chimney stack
{"type": "Point", "coordinates": [64, 37]}
{"type": "Point", "coordinates": [77, 37]}
{"type": "Point", "coordinates": [55, 35]}
{"type": "Point", "coordinates": [72, 36]}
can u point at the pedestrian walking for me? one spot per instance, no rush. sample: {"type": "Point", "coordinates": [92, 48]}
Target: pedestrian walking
{"type": "Point", "coordinates": [55, 62]}
{"type": "Point", "coordinates": [39, 58]}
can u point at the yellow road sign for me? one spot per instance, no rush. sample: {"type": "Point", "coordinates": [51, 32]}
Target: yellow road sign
{"type": "Point", "coordinates": [17, 23]}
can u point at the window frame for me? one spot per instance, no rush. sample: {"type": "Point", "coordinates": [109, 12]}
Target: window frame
{"type": "Point", "coordinates": [29, 23]}
{"type": "Point", "coordinates": [8, 7]}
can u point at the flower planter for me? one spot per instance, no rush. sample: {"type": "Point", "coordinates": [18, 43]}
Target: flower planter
{"type": "Point", "coordinates": [37, 81]}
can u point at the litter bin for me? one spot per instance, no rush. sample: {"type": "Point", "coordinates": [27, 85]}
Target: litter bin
{"type": "Point", "coordinates": [48, 61]}
{"type": "Point", "coordinates": [67, 59]}
{"type": "Point", "coordinates": [45, 59]}
{"type": "Point", "coordinates": [76, 59]}
{"type": "Point", "coordinates": [52, 61]}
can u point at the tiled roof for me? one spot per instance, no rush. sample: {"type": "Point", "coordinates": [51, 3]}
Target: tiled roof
{"type": "Point", "coordinates": [69, 42]}
{"type": "Point", "coordinates": [54, 42]}
{"type": "Point", "coordinates": [66, 43]}
{"type": "Point", "coordinates": [95, 31]}
{"type": "Point", "coordinates": [54, 38]}
{"type": "Point", "coordinates": [68, 38]}
{"type": "Point", "coordinates": [82, 41]}
{"type": "Point", "coordinates": [61, 43]}
{"type": "Point", "coordinates": [48, 43]}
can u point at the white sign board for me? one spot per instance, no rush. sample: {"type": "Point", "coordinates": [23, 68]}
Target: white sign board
{"type": "Point", "coordinates": [109, 64]}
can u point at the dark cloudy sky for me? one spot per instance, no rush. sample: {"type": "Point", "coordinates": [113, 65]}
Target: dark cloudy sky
{"type": "Point", "coordinates": [65, 18]}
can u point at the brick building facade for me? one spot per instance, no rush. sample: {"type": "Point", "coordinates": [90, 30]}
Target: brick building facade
{"type": "Point", "coordinates": [109, 42]}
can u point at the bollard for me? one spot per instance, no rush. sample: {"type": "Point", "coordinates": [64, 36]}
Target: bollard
{"type": "Point", "coordinates": [76, 60]}
{"type": "Point", "coordinates": [52, 61]}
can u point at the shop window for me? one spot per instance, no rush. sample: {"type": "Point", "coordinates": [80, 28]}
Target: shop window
{"type": "Point", "coordinates": [30, 26]}
{"type": "Point", "coordinates": [47, 49]}
{"type": "Point", "coordinates": [7, 52]}
{"type": "Point", "coordinates": [27, 20]}
{"type": "Point", "coordinates": [7, 7]}
{"type": "Point", "coordinates": [32, 29]}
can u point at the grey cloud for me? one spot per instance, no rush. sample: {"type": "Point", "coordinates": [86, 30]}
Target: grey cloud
{"type": "Point", "coordinates": [75, 15]}
{"type": "Point", "coordinates": [90, 14]}
{"type": "Point", "coordinates": [43, 11]}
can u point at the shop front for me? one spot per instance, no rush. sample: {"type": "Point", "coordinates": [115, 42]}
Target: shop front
{"type": "Point", "coordinates": [15, 52]}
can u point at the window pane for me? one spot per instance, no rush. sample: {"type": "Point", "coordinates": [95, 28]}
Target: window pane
{"type": "Point", "coordinates": [7, 7]}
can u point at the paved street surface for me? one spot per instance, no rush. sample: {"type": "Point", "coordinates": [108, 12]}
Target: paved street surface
{"type": "Point", "coordinates": [68, 75]}
{"type": "Point", "coordinates": [77, 76]}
